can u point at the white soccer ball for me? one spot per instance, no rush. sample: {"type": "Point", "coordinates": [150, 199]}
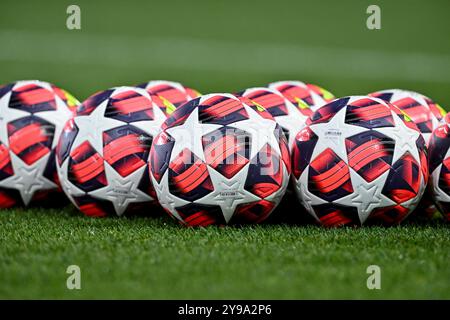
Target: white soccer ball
{"type": "Point", "coordinates": [102, 156]}
{"type": "Point", "coordinates": [359, 161]}
{"type": "Point", "coordinates": [220, 160]}
{"type": "Point", "coordinates": [32, 116]}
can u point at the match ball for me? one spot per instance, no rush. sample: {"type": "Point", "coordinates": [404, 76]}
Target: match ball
{"type": "Point", "coordinates": [359, 161]}
{"type": "Point", "coordinates": [302, 94]}
{"type": "Point", "coordinates": [291, 118]}
{"type": "Point", "coordinates": [102, 155]}
{"type": "Point", "coordinates": [220, 160]}
{"type": "Point", "coordinates": [168, 95]}
{"type": "Point", "coordinates": [439, 155]}
{"type": "Point", "coordinates": [32, 116]}
{"type": "Point", "coordinates": [423, 111]}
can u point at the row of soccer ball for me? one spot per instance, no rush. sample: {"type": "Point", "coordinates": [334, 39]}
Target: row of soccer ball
{"type": "Point", "coordinates": [224, 158]}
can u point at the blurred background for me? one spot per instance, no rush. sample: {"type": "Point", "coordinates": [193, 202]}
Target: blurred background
{"type": "Point", "coordinates": [217, 46]}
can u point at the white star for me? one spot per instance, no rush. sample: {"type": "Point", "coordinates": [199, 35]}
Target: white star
{"type": "Point", "coordinates": [91, 127]}
{"type": "Point", "coordinates": [439, 194]}
{"type": "Point", "coordinates": [318, 101]}
{"type": "Point", "coordinates": [165, 198]}
{"type": "Point", "coordinates": [277, 196]}
{"type": "Point", "coordinates": [404, 138]}
{"type": "Point", "coordinates": [189, 135]}
{"type": "Point", "coordinates": [366, 196]}
{"type": "Point", "coordinates": [68, 187]}
{"type": "Point", "coordinates": [152, 127]}
{"type": "Point", "coordinates": [8, 115]}
{"type": "Point", "coordinates": [307, 199]}
{"type": "Point", "coordinates": [28, 179]}
{"type": "Point", "coordinates": [57, 117]}
{"type": "Point", "coordinates": [228, 193]}
{"type": "Point", "coordinates": [261, 130]}
{"type": "Point", "coordinates": [332, 135]}
{"type": "Point", "coordinates": [293, 122]}
{"type": "Point", "coordinates": [121, 191]}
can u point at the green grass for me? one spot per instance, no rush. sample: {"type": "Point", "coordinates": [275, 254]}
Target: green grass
{"type": "Point", "coordinates": [222, 46]}
{"type": "Point", "coordinates": [155, 258]}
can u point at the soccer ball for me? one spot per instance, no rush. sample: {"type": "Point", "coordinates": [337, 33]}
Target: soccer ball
{"type": "Point", "coordinates": [220, 160]}
{"type": "Point", "coordinates": [303, 94]}
{"type": "Point", "coordinates": [291, 118]}
{"type": "Point", "coordinates": [425, 113]}
{"type": "Point", "coordinates": [32, 116]}
{"type": "Point", "coordinates": [169, 95]}
{"type": "Point", "coordinates": [439, 155]}
{"type": "Point", "coordinates": [102, 155]}
{"type": "Point", "coordinates": [359, 160]}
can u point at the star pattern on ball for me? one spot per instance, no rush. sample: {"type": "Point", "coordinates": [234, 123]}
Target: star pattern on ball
{"type": "Point", "coordinates": [228, 193]}
{"type": "Point", "coordinates": [318, 101]}
{"type": "Point", "coordinates": [262, 131]}
{"type": "Point", "coordinates": [439, 194]}
{"type": "Point", "coordinates": [293, 122]}
{"type": "Point", "coordinates": [122, 191]}
{"type": "Point", "coordinates": [8, 115]}
{"type": "Point", "coordinates": [166, 199]}
{"type": "Point", "coordinates": [332, 135]}
{"type": "Point", "coordinates": [307, 199]}
{"type": "Point", "coordinates": [189, 135]}
{"type": "Point", "coordinates": [56, 117]}
{"type": "Point", "coordinates": [277, 196]}
{"type": "Point", "coordinates": [405, 138]}
{"type": "Point", "coordinates": [92, 126]}
{"type": "Point", "coordinates": [28, 178]}
{"type": "Point", "coordinates": [152, 127]}
{"type": "Point", "coordinates": [69, 188]}
{"type": "Point", "coordinates": [367, 195]}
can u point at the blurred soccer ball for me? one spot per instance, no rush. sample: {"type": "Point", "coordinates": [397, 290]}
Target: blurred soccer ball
{"type": "Point", "coordinates": [220, 159]}
{"type": "Point", "coordinates": [359, 161]}
{"type": "Point", "coordinates": [168, 95]}
{"type": "Point", "coordinates": [32, 116]}
{"type": "Point", "coordinates": [290, 117]}
{"type": "Point", "coordinates": [425, 113]}
{"type": "Point", "coordinates": [102, 156]}
{"type": "Point", "coordinates": [439, 155]}
{"type": "Point", "coordinates": [303, 94]}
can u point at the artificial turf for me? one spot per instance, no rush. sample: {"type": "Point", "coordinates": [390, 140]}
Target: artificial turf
{"type": "Point", "coordinates": [217, 46]}
{"type": "Point", "coordinates": [155, 258]}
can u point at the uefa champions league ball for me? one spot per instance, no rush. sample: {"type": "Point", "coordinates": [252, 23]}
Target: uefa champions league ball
{"type": "Point", "coordinates": [291, 118]}
{"type": "Point", "coordinates": [220, 160]}
{"type": "Point", "coordinates": [359, 161]}
{"type": "Point", "coordinates": [302, 94]}
{"type": "Point", "coordinates": [168, 95]}
{"type": "Point", "coordinates": [439, 155]}
{"type": "Point", "coordinates": [425, 113]}
{"type": "Point", "coordinates": [32, 116]}
{"type": "Point", "coordinates": [102, 155]}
